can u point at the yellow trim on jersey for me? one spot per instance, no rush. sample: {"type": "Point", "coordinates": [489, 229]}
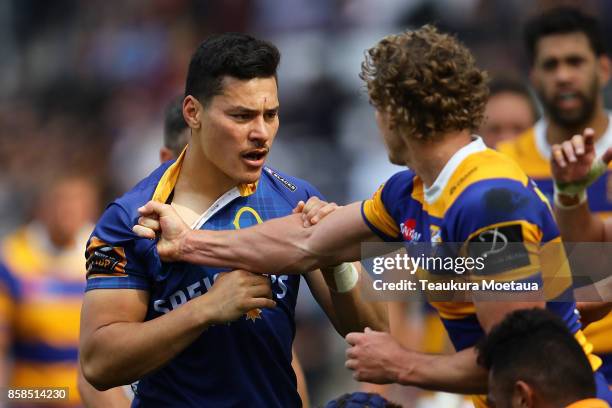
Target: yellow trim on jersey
{"type": "Point", "coordinates": [525, 153]}
{"type": "Point", "coordinates": [454, 310]}
{"type": "Point", "coordinates": [589, 403]}
{"type": "Point", "coordinates": [588, 350]}
{"type": "Point", "coordinates": [169, 178]}
{"type": "Point", "coordinates": [484, 165]}
{"type": "Point", "coordinates": [376, 213]}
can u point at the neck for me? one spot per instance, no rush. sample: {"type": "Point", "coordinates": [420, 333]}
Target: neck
{"type": "Point", "coordinates": [556, 133]}
{"type": "Point", "coordinates": [428, 158]}
{"type": "Point", "coordinates": [200, 182]}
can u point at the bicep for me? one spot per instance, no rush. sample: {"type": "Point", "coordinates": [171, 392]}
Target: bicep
{"type": "Point", "coordinates": [103, 307]}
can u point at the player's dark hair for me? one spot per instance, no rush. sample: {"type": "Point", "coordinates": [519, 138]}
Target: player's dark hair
{"type": "Point", "coordinates": [175, 137]}
{"type": "Point", "coordinates": [505, 84]}
{"type": "Point", "coordinates": [536, 346]}
{"type": "Point", "coordinates": [361, 399]}
{"type": "Point", "coordinates": [563, 20]}
{"type": "Point", "coordinates": [231, 54]}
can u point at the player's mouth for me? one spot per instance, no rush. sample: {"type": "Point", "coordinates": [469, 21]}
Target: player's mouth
{"type": "Point", "coordinates": [568, 100]}
{"type": "Point", "coordinates": [255, 157]}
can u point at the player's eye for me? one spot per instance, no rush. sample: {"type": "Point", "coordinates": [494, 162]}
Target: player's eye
{"type": "Point", "coordinates": [271, 114]}
{"type": "Point", "coordinates": [241, 116]}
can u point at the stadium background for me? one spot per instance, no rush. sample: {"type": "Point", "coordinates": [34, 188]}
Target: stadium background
{"type": "Point", "coordinates": [83, 87]}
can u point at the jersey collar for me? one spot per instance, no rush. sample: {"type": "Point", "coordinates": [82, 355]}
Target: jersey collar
{"type": "Point", "coordinates": [166, 183]}
{"type": "Point", "coordinates": [433, 192]}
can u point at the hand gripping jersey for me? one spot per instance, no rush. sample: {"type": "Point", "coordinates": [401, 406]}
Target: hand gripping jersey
{"type": "Point", "coordinates": [478, 191]}
{"type": "Point", "coordinates": [243, 363]}
{"type": "Point", "coordinates": [41, 292]}
{"type": "Point", "coordinates": [532, 153]}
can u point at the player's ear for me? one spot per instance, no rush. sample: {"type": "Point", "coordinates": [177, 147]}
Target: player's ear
{"type": "Point", "coordinates": [192, 112]}
{"type": "Point", "coordinates": [522, 395]}
{"type": "Point", "coordinates": [165, 154]}
{"type": "Point", "coordinates": [603, 63]}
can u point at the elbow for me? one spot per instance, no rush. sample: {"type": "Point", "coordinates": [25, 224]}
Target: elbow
{"type": "Point", "coordinates": [95, 375]}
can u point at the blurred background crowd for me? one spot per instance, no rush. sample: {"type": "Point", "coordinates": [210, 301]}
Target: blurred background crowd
{"type": "Point", "coordinates": [84, 87]}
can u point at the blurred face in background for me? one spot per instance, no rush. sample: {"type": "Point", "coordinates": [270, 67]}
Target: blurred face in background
{"type": "Point", "coordinates": [66, 207]}
{"type": "Point", "coordinates": [507, 115]}
{"type": "Point", "coordinates": [568, 77]}
{"type": "Point", "coordinates": [238, 127]}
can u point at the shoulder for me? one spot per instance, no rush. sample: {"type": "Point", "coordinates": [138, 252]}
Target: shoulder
{"type": "Point", "coordinates": [398, 185]}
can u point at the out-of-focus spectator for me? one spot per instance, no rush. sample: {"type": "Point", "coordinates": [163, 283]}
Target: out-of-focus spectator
{"type": "Point", "coordinates": [510, 111]}
{"type": "Point", "coordinates": [44, 276]}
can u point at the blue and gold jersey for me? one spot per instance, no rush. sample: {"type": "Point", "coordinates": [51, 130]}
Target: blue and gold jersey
{"type": "Point", "coordinates": [243, 363]}
{"type": "Point", "coordinates": [532, 153]}
{"type": "Point", "coordinates": [41, 291]}
{"type": "Point", "coordinates": [478, 191]}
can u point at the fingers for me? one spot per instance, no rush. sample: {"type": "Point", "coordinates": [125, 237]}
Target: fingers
{"type": "Point", "coordinates": [607, 156]}
{"type": "Point", "coordinates": [143, 232]}
{"type": "Point", "coordinates": [353, 338]}
{"type": "Point", "coordinates": [557, 155]}
{"type": "Point", "coordinates": [261, 303]}
{"type": "Point", "coordinates": [154, 208]}
{"type": "Point", "coordinates": [568, 149]}
{"type": "Point", "coordinates": [323, 212]}
{"type": "Point", "coordinates": [315, 209]}
{"type": "Point", "coordinates": [299, 207]}
{"type": "Point", "coordinates": [149, 222]}
{"type": "Point", "coordinates": [578, 144]}
{"type": "Point", "coordinates": [589, 140]}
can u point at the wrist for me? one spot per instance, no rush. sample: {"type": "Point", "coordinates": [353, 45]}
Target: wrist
{"type": "Point", "coordinates": [403, 368]}
{"type": "Point", "coordinates": [566, 201]}
{"type": "Point", "coordinates": [341, 278]}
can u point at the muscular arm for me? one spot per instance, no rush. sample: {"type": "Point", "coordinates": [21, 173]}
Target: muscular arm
{"type": "Point", "coordinates": [288, 246]}
{"type": "Point", "coordinates": [377, 357]}
{"type": "Point", "coordinates": [347, 311]}
{"type": "Point", "coordinates": [579, 224]}
{"type": "Point", "coordinates": [111, 314]}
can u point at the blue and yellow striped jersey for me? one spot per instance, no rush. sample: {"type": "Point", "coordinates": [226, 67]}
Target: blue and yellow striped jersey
{"type": "Point", "coordinates": [244, 363]}
{"type": "Point", "coordinates": [40, 301]}
{"type": "Point", "coordinates": [478, 190]}
{"type": "Point", "coordinates": [532, 153]}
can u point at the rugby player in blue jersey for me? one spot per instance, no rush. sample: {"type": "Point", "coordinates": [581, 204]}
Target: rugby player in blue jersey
{"type": "Point", "coordinates": [429, 96]}
{"type": "Point", "coordinates": [206, 336]}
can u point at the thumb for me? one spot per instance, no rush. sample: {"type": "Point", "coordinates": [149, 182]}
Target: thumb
{"type": "Point", "coordinates": [152, 208]}
{"type": "Point", "coordinates": [589, 140]}
{"type": "Point", "coordinates": [368, 330]}
{"type": "Point", "coordinates": [607, 156]}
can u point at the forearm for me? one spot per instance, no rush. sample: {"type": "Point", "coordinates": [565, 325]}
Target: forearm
{"type": "Point", "coordinates": [282, 245]}
{"type": "Point", "coordinates": [121, 353]}
{"type": "Point", "coordinates": [350, 311]}
{"type": "Point", "coordinates": [455, 373]}
{"type": "Point", "coordinates": [579, 224]}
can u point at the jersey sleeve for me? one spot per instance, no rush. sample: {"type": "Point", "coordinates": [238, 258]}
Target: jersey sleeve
{"type": "Point", "coordinates": [115, 257]}
{"type": "Point", "coordinates": [511, 227]}
{"type": "Point", "coordinates": [378, 212]}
